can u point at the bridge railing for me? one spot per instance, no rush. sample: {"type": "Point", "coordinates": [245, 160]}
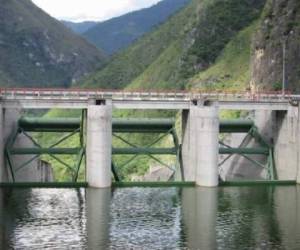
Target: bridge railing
{"type": "Point", "coordinates": [72, 93]}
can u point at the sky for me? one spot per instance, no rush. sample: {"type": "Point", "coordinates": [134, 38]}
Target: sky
{"type": "Point", "coordinates": [91, 10]}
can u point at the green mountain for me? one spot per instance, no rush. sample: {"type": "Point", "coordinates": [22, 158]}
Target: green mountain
{"type": "Point", "coordinates": [189, 43]}
{"type": "Point", "coordinates": [118, 33]}
{"type": "Point", "coordinates": [37, 50]}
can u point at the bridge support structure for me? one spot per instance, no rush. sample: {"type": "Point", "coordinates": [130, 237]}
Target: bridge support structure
{"type": "Point", "coordinates": [2, 168]}
{"type": "Point", "coordinates": [99, 144]}
{"type": "Point", "coordinates": [200, 147]}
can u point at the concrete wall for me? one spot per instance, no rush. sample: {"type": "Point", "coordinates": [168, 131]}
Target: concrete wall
{"type": "Point", "coordinates": [2, 165]}
{"type": "Point", "coordinates": [188, 146]}
{"type": "Point", "coordinates": [238, 167]}
{"type": "Point", "coordinates": [286, 143]}
{"type": "Point", "coordinates": [36, 171]}
{"type": "Point", "coordinates": [281, 129]}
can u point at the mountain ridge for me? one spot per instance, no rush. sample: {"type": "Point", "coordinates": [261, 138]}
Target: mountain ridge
{"type": "Point", "coordinates": [180, 48]}
{"type": "Point", "coordinates": [119, 32]}
{"type": "Point", "coordinates": [38, 51]}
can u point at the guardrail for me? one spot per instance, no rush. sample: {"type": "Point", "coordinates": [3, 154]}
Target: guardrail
{"type": "Point", "coordinates": [75, 94]}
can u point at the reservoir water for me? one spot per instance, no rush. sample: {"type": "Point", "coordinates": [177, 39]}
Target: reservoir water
{"type": "Point", "coordinates": [260, 217]}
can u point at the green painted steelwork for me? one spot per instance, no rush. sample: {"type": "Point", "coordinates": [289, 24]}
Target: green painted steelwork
{"type": "Point", "coordinates": [144, 151]}
{"type": "Point", "coordinates": [73, 126]}
{"type": "Point", "coordinates": [264, 147]}
{"type": "Point", "coordinates": [145, 184]}
{"type": "Point", "coordinates": [235, 126]}
{"type": "Point", "coordinates": [45, 151]}
{"type": "Point", "coordinates": [154, 184]}
{"type": "Point", "coordinates": [44, 185]}
{"type": "Point", "coordinates": [166, 127]}
{"type": "Point", "coordinates": [257, 182]}
{"type": "Point", "coordinates": [49, 124]}
{"type": "Point", "coordinates": [67, 126]}
{"type": "Point", "coordinates": [142, 125]}
{"type": "Point", "coordinates": [119, 125]}
{"type": "Point", "coordinates": [246, 151]}
{"type": "Point", "coordinates": [123, 125]}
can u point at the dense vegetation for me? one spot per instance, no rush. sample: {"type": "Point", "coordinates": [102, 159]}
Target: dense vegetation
{"type": "Point", "coordinates": [37, 50]}
{"type": "Point", "coordinates": [129, 64]}
{"type": "Point", "coordinates": [187, 44]}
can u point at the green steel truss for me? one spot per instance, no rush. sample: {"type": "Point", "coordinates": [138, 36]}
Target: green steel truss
{"type": "Point", "coordinates": [161, 127]}
{"type": "Point", "coordinates": [264, 148]}
{"type": "Point", "coordinates": [68, 127]}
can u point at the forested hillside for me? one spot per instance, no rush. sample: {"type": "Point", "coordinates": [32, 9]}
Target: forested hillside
{"type": "Point", "coordinates": [186, 45]}
{"type": "Point", "coordinates": [37, 50]}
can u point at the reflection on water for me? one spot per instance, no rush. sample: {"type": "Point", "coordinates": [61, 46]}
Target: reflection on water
{"type": "Point", "coordinates": [151, 218]}
{"type": "Point", "coordinates": [199, 212]}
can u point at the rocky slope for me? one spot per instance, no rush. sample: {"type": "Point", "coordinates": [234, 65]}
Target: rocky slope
{"type": "Point", "coordinates": [38, 51]}
{"type": "Point", "coordinates": [279, 28]}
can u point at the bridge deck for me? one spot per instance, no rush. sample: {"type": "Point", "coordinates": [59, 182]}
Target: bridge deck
{"type": "Point", "coordinates": [80, 99]}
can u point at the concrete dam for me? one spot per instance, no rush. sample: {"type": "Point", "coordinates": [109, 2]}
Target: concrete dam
{"type": "Point", "coordinates": [209, 150]}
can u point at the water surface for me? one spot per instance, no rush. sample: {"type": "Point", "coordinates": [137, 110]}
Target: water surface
{"type": "Point", "coordinates": [263, 217]}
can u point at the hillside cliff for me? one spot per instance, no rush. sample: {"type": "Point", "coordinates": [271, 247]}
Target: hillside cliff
{"type": "Point", "coordinates": [278, 34]}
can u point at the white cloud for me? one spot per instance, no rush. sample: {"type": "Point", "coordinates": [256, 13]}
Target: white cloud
{"type": "Point", "coordinates": [83, 10]}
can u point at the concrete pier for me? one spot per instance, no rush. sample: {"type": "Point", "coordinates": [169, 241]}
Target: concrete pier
{"type": "Point", "coordinates": [99, 145]}
{"type": "Point", "coordinates": [2, 167]}
{"type": "Point", "coordinates": [200, 144]}
{"type": "Point", "coordinates": [207, 145]}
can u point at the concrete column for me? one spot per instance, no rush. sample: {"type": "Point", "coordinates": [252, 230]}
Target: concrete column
{"type": "Point", "coordinates": [200, 147]}
{"type": "Point", "coordinates": [2, 167]}
{"type": "Point", "coordinates": [98, 217]}
{"type": "Point", "coordinates": [298, 147]}
{"type": "Point", "coordinates": [99, 144]}
{"type": "Point", "coordinates": [206, 119]}
{"type": "Point", "coordinates": [286, 150]}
